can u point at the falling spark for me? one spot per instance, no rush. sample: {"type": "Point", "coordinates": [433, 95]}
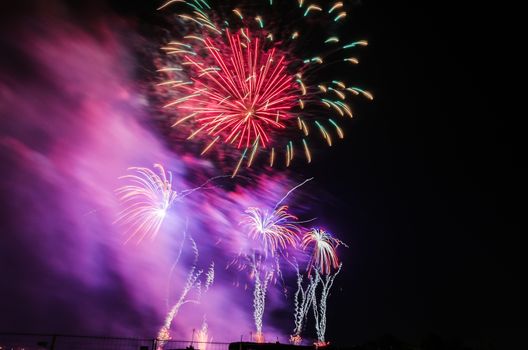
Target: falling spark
{"type": "Point", "coordinates": [335, 6]}
{"type": "Point", "coordinates": [341, 15]}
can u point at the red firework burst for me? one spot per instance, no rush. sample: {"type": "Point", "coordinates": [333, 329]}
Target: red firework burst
{"type": "Point", "coordinates": [249, 87]}
{"type": "Point", "coordinates": [242, 95]}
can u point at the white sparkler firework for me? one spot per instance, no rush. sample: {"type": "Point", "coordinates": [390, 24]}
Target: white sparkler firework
{"type": "Point", "coordinates": [320, 310]}
{"type": "Point", "coordinates": [302, 303]}
{"type": "Point", "coordinates": [259, 298]}
{"type": "Point", "coordinates": [193, 283]}
{"type": "Point", "coordinates": [202, 337]}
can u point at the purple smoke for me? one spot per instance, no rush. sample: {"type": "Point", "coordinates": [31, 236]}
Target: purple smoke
{"type": "Point", "coordinates": [72, 121]}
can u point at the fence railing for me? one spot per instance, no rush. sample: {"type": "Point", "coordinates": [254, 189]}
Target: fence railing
{"type": "Point", "coordinates": [23, 341]}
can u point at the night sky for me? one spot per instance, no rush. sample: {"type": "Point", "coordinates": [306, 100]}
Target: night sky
{"type": "Point", "coordinates": [425, 186]}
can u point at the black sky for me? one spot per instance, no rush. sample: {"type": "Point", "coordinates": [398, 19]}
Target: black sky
{"type": "Point", "coordinates": [433, 177]}
{"type": "Point", "coordinates": [427, 183]}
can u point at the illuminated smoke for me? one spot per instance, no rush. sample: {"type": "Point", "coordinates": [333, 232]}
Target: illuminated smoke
{"type": "Point", "coordinates": [77, 118]}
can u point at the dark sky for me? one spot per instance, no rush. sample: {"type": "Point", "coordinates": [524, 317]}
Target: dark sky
{"type": "Point", "coordinates": [433, 177]}
{"type": "Point", "coordinates": [427, 182]}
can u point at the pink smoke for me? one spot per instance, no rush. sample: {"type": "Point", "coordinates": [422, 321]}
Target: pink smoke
{"type": "Point", "coordinates": [72, 121]}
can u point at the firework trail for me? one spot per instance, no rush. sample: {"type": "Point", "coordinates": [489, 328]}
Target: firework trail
{"type": "Point", "coordinates": [173, 267]}
{"type": "Point", "coordinates": [319, 308]}
{"type": "Point", "coordinates": [70, 166]}
{"type": "Point", "coordinates": [259, 299]}
{"type": "Point", "coordinates": [202, 336]}
{"type": "Point", "coordinates": [193, 283]}
{"type": "Point", "coordinates": [324, 250]}
{"type": "Point", "coordinates": [146, 200]}
{"type": "Point", "coordinates": [233, 81]}
{"type": "Point", "coordinates": [303, 299]}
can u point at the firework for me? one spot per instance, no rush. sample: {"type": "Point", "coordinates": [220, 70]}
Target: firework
{"type": "Point", "coordinates": [146, 200]}
{"type": "Point", "coordinates": [237, 82]}
{"type": "Point", "coordinates": [276, 230]}
{"type": "Point", "coordinates": [324, 250]}
{"type": "Point", "coordinates": [194, 282]}
{"type": "Point", "coordinates": [303, 299]}
{"type": "Point", "coordinates": [259, 300]}
{"type": "Point", "coordinates": [202, 336]}
{"type": "Point", "coordinates": [319, 308]}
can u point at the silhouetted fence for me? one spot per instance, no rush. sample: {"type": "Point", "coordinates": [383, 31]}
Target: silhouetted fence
{"type": "Point", "coordinates": [22, 341]}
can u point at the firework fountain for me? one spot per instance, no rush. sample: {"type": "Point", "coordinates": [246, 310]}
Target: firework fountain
{"type": "Point", "coordinates": [194, 282]}
{"type": "Point", "coordinates": [275, 231]}
{"type": "Point", "coordinates": [262, 278]}
{"type": "Point", "coordinates": [319, 308]}
{"type": "Point", "coordinates": [303, 299]}
{"type": "Point", "coordinates": [202, 336]}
